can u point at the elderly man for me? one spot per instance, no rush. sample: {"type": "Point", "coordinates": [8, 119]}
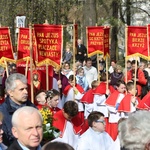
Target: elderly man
{"type": "Point", "coordinates": [27, 129]}
{"type": "Point", "coordinates": [81, 51]}
{"type": "Point", "coordinates": [134, 132]}
{"type": "Point", "coordinates": [17, 95]}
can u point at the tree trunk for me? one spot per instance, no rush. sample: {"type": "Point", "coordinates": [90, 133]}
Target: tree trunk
{"type": "Point", "coordinates": [89, 16]}
{"type": "Point", "coordinates": [114, 31]}
{"type": "Point", "coordinates": [128, 12]}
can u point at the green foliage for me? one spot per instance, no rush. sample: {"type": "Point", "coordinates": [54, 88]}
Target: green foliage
{"type": "Point", "coordinates": [49, 132]}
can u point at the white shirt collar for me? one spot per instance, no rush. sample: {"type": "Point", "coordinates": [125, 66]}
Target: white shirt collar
{"type": "Point", "coordinates": [25, 148]}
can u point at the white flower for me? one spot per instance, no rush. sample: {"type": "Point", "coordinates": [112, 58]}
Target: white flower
{"type": "Point", "coordinates": [50, 131]}
{"type": "Point", "coordinates": [48, 126]}
{"type": "Point", "coordinates": [56, 134]}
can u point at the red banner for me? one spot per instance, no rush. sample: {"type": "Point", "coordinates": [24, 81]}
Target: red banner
{"type": "Point", "coordinates": [137, 41]}
{"type": "Point", "coordinates": [49, 44]}
{"type": "Point", "coordinates": [6, 50]}
{"type": "Point", "coordinates": [148, 39]}
{"type": "Point", "coordinates": [95, 40]}
{"type": "Point", "coordinates": [40, 72]}
{"type": "Point", "coordinates": [24, 44]}
{"type": "Point", "coordinates": [106, 41]}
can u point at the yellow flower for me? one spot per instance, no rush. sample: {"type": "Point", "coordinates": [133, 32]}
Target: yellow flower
{"type": "Point", "coordinates": [49, 132]}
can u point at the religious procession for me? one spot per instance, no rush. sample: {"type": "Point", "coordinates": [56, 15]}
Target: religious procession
{"type": "Point", "coordinates": [58, 94]}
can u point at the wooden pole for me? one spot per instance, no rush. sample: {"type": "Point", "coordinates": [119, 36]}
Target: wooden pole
{"type": "Point", "coordinates": [31, 62]}
{"type": "Point", "coordinates": [98, 68]}
{"type": "Point", "coordinates": [126, 49]}
{"type": "Point", "coordinates": [148, 41]}
{"type": "Point", "coordinates": [97, 60]}
{"type": "Point", "coordinates": [47, 77]}
{"type": "Point", "coordinates": [47, 70]}
{"type": "Point", "coordinates": [126, 70]}
{"type": "Point", "coordinates": [135, 75]}
{"type": "Point", "coordinates": [46, 22]}
{"type": "Point", "coordinates": [74, 52]}
{"type": "Point", "coordinates": [87, 40]}
{"type": "Point", "coordinates": [26, 71]}
{"type": "Point", "coordinates": [107, 80]}
{"type": "Point", "coordinates": [7, 73]}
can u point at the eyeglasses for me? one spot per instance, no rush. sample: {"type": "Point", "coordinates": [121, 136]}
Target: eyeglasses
{"type": "Point", "coordinates": [101, 121]}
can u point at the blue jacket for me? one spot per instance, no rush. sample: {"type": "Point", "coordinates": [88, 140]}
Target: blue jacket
{"type": "Point", "coordinates": [8, 111]}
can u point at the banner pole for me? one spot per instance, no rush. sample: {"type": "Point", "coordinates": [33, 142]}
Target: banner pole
{"type": "Point", "coordinates": [98, 67]}
{"type": "Point", "coordinates": [97, 60]}
{"type": "Point", "coordinates": [7, 74]}
{"type": "Point", "coordinates": [74, 52]}
{"type": "Point", "coordinates": [135, 74]}
{"type": "Point", "coordinates": [31, 62]}
{"type": "Point", "coordinates": [47, 78]}
{"type": "Point", "coordinates": [126, 49]}
{"type": "Point", "coordinates": [107, 80]}
{"type": "Point", "coordinates": [148, 41]}
{"type": "Point", "coordinates": [26, 71]}
{"type": "Point", "coordinates": [87, 41]}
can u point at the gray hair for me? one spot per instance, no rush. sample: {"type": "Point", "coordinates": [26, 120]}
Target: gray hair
{"type": "Point", "coordinates": [10, 83]}
{"type": "Point", "coordinates": [134, 132]}
{"type": "Point", "coordinates": [26, 109]}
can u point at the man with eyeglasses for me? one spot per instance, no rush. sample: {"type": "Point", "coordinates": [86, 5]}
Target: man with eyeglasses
{"type": "Point", "coordinates": [95, 138]}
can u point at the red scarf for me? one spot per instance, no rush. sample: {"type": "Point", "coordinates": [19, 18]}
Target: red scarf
{"type": "Point", "coordinates": [88, 97]}
{"type": "Point", "coordinates": [68, 87]}
{"type": "Point", "coordinates": [125, 105]}
{"type": "Point", "coordinates": [112, 99]}
{"type": "Point", "coordinates": [145, 102]}
{"type": "Point", "coordinates": [60, 122]}
{"type": "Point", "coordinates": [101, 89]}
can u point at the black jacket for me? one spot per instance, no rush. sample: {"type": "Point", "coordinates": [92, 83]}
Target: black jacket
{"type": "Point", "coordinates": [8, 111]}
{"type": "Point", "coordinates": [82, 49]}
{"type": "Point", "coordinates": [14, 146]}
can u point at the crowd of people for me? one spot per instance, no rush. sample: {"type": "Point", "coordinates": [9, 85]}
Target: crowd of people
{"type": "Point", "coordinates": [91, 111]}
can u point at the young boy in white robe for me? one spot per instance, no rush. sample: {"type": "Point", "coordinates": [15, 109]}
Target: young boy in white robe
{"type": "Point", "coordinates": [113, 102]}
{"type": "Point", "coordinates": [130, 102]}
{"type": "Point", "coordinates": [95, 138]}
{"type": "Point", "coordinates": [68, 123]}
{"type": "Point", "coordinates": [74, 92]}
